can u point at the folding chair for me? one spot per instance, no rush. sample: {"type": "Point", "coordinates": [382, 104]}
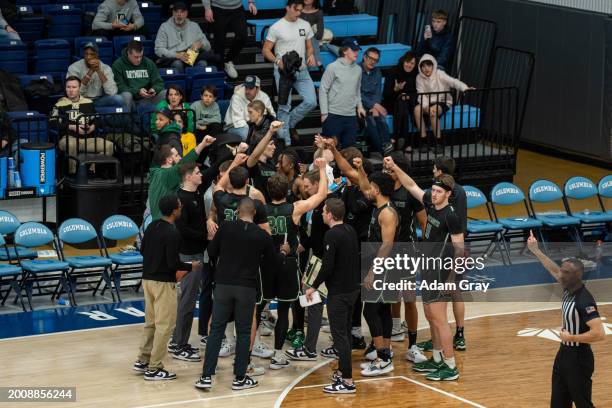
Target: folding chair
{"type": "Point", "coordinates": [484, 230]}
{"type": "Point", "coordinates": [580, 189]}
{"type": "Point", "coordinates": [604, 190]}
{"type": "Point", "coordinates": [124, 262]}
{"type": "Point", "coordinates": [545, 191]}
{"type": "Point", "coordinates": [507, 194]}
{"type": "Point", "coordinates": [78, 231]}
{"type": "Point", "coordinates": [33, 235]}
{"type": "Point", "coordinates": [9, 276]}
{"type": "Point", "coordinates": [8, 225]}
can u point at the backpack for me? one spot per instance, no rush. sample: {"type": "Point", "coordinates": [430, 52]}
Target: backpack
{"type": "Point", "coordinates": [11, 95]}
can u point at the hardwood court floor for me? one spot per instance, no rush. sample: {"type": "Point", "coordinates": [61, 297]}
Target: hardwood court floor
{"type": "Point", "coordinates": [499, 369]}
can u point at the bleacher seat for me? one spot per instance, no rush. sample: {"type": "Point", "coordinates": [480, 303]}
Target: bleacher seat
{"type": "Point", "coordinates": [52, 56]}
{"type": "Point", "coordinates": [457, 117]}
{"type": "Point", "coordinates": [171, 77]}
{"type": "Point", "coordinates": [90, 8]}
{"type": "Point", "coordinates": [198, 81]}
{"type": "Point", "coordinates": [120, 42]}
{"type": "Point", "coordinates": [351, 25]}
{"type": "Point", "coordinates": [223, 107]}
{"type": "Point", "coordinates": [389, 54]}
{"type": "Point", "coordinates": [8, 225]}
{"type": "Point", "coordinates": [36, 5]}
{"type": "Point", "coordinates": [30, 28]}
{"type": "Point", "coordinates": [105, 47]}
{"type": "Point", "coordinates": [152, 15]}
{"type": "Point", "coordinates": [266, 4]}
{"type": "Point", "coordinates": [14, 56]}
{"type": "Point", "coordinates": [30, 125]}
{"type": "Point", "coordinates": [65, 20]}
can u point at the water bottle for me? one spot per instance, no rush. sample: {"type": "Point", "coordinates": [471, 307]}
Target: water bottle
{"type": "Point", "coordinates": [11, 172]}
{"type": "Point", "coordinates": [17, 179]}
{"type": "Point", "coordinates": [63, 302]}
{"type": "Point", "coordinates": [598, 251]}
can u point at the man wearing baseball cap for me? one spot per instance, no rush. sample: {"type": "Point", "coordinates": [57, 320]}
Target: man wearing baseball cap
{"type": "Point", "coordinates": [237, 116]}
{"type": "Point", "coordinates": [340, 95]}
{"type": "Point", "coordinates": [97, 80]}
{"type": "Point", "coordinates": [178, 35]}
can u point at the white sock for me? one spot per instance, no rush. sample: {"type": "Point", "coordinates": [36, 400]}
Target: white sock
{"type": "Point", "coordinates": [229, 333]}
{"type": "Point", "coordinates": [278, 354]}
{"type": "Point", "coordinates": [258, 335]}
{"type": "Point", "coordinates": [450, 362]}
{"type": "Point", "coordinates": [356, 331]}
{"type": "Point", "coordinates": [437, 355]}
{"type": "Point", "coordinates": [397, 324]}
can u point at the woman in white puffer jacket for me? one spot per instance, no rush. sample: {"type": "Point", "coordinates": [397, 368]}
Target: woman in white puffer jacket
{"type": "Point", "coordinates": [430, 79]}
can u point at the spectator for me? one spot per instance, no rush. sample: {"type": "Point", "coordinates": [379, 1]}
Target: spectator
{"type": "Point", "coordinates": [207, 113]}
{"type": "Point", "coordinates": [175, 100]}
{"type": "Point", "coordinates": [436, 84]}
{"type": "Point", "coordinates": [72, 117]}
{"type": "Point", "coordinates": [371, 97]}
{"type": "Point", "coordinates": [259, 122]}
{"type": "Point", "coordinates": [290, 37]}
{"type": "Point", "coordinates": [137, 77]}
{"type": "Point", "coordinates": [6, 31]}
{"type": "Point", "coordinates": [118, 17]}
{"type": "Point", "coordinates": [237, 117]}
{"type": "Point", "coordinates": [340, 95]}
{"type": "Point", "coordinates": [168, 131]}
{"type": "Point", "coordinates": [178, 35]}
{"type": "Point", "coordinates": [188, 139]}
{"type": "Point", "coordinates": [438, 40]}
{"type": "Point", "coordinates": [314, 16]}
{"type": "Point", "coordinates": [401, 81]}
{"type": "Point", "coordinates": [161, 262]}
{"type": "Point", "coordinates": [228, 15]}
{"type": "Point", "coordinates": [97, 80]}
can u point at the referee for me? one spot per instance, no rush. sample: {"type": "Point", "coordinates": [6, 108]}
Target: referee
{"type": "Point", "coordinates": [574, 364]}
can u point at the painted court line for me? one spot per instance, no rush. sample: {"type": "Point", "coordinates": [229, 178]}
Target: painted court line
{"type": "Point", "coordinates": [235, 395]}
{"type": "Point", "coordinates": [296, 381]}
{"type": "Point", "coordinates": [448, 394]}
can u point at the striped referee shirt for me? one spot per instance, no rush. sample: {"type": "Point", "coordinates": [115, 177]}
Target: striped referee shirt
{"type": "Point", "coordinates": [578, 308]}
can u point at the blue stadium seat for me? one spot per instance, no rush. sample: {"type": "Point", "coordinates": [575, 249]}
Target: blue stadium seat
{"type": "Point", "coordinates": [14, 56]}
{"type": "Point", "coordinates": [198, 81]}
{"type": "Point", "coordinates": [351, 25]}
{"type": "Point", "coordinates": [52, 56]}
{"type": "Point", "coordinates": [120, 227]}
{"type": "Point", "coordinates": [30, 125]}
{"type": "Point", "coordinates": [120, 42]}
{"type": "Point", "coordinates": [36, 5]}
{"type": "Point", "coordinates": [9, 276]}
{"type": "Point", "coordinates": [171, 77]}
{"type": "Point", "coordinates": [582, 188]}
{"type": "Point", "coordinates": [152, 15]}
{"type": "Point", "coordinates": [35, 235]}
{"type": "Point", "coordinates": [77, 231]}
{"type": "Point", "coordinates": [105, 47]}
{"type": "Point", "coordinates": [389, 54]}
{"type": "Point", "coordinates": [267, 4]}
{"type": "Point", "coordinates": [65, 20]}
{"type": "Point", "coordinates": [30, 28]}
{"type": "Point", "coordinates": [223, 107]}
{"type": "Point", "coordinates": [8, 225]}
{"type": "Point", "coordinates": [457, 117]}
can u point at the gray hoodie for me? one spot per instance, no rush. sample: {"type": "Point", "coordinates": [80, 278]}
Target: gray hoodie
{"type": "Point", "coordinates": [224, 4]}
{"type": "Point", "coordinates": [110, 11]}
{"type": "Point", "coordinates": [94, 87]}
{"type": "Point", "coordinates": [340, 91]}
{"type": "Point", "coordinates": [172, 38]}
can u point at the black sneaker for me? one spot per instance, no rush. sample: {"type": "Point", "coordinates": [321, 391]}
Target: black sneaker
{"type": "Point", "coordinates": [358, 343]}
{"type": "Point", "coordinates": [330, 352]}
{"type": "Point", "coordinates": [387, 148]}
{"type": "Point", "coordinates": [245, 383]}
{"type": "Point", "coordinates": [159, 375]}
{"type": "Point", "coordinates": [204, 382]}
{"type": "Point", "coordinates": [301, 354]}
{"type": "Point", "coordinates": [173, 347]}
{"type": "Point", "coordinates": [340, 387]}
{"type": "Point", "coordinates": [187, 354]}
{"type": "Point", "coordinates": [140, 366]}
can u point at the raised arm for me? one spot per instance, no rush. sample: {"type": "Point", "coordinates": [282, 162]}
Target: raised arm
{"type": "Point", "coordinates": [549, 265]}
{"type": "Point", "coordinates": [344, 166]}
{"type": "Point", "coordinates": [224, 180]}
{"type": "Point", "coordinates": [404, 179]}
{"type": "Point", "coordinates": [263, 143]}
{"type": "Point", "coordinates": [303, 206]}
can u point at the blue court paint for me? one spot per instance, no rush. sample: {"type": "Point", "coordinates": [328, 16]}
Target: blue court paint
{"type": "Point", "coordinates": [65, 319]}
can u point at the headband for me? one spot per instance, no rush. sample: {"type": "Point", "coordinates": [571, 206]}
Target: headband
{"type": "Point", "coordinates": [441, 185]}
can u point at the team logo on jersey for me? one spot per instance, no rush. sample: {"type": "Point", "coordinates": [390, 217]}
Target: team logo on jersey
{"type": "Point", "coordinates": [302, 32]}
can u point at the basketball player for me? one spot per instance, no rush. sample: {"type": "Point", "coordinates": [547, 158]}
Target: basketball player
{"type": "Point", "coordinates": [260, 163]}
{"type": "Point", "coordinates": [443, 223]}
{"type": "Point", "coordinates": [284, 284]}
{"type": "Point", "coordinates": [574, 363]}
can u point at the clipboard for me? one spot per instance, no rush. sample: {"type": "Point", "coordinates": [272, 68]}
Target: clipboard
{"type": "Point", "coordinates": [310, 275]}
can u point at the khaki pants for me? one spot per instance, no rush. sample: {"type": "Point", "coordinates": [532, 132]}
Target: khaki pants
{"type": "Point", "coordinates": [91, 145]}
{"type": "Point", "coordinates": [160, 319]}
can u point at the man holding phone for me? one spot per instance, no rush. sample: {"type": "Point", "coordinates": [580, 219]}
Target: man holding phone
{"type": "Point", "coordinates": [437, 40]}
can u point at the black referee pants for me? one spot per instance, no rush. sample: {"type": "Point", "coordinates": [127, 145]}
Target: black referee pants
{"type": "Point", "coordinates": [340, 313]}
{"type": "Point", "coordinates": [571, 377]}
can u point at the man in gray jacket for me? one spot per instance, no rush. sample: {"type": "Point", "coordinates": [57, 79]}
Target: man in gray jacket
{"type": "Point", "coordinates": [97, 79]}
{"type": "Point", "coordinates": [118, 17]}
{"type": "Point", "coordinates": [340, 95]}
{"type": "Point", "coordinates": [179, 34]}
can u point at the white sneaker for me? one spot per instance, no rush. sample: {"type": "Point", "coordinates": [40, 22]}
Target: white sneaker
{"type": "Point", "coordinates": [370, 353]}
{"type": "Point", "coordinates": [278, 364]}
{"type": "Point", "coordinates": [325, 329]}
{"type": "Point", "coordinates": [378, 367]}
{"type": "Point", "coordinates": [264, 330]}
{"type": "Point", "coordinates": [365, 365]}
{"type": "Point", "coordinates": [415, 355]}
{"type": "Point", "coordinates": [230, 70]}
{"type": "Point", "coordinates": [398, 336]}
{"type": "Point", "coordinates": [227, 349]}
{"type": "Point", "coordinates": [255, 370]}
{"type": "Point", "coordinates": [262, 350]}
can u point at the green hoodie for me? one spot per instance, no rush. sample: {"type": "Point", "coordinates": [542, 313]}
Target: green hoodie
{"type": "Point", "coordinates": [165, 105]}
{"type": "Point", "coordinates": [131, 78]}
{"type": "Point", "coordinates": [164, 181]}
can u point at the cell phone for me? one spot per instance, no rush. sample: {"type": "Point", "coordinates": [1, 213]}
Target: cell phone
{"type": "Point", "coordinates": [428, 28]}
